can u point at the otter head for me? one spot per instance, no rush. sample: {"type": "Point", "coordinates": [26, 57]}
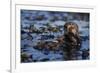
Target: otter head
{"type": "Point", "coordinates": [71, 27]}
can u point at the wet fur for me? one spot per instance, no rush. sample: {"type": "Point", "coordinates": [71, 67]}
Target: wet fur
{"type": "Point", "coordinates": [72, 41]}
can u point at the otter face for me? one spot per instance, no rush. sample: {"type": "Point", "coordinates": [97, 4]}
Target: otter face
{"type": "Point", "coordinates": [71, 28]}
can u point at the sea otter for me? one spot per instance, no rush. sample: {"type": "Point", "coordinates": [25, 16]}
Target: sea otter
{"type": "Point", "coordinates": [72, 41]}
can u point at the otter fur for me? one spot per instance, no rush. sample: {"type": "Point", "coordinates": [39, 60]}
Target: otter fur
{"type": "Point", "coordinates": [72, 41]}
